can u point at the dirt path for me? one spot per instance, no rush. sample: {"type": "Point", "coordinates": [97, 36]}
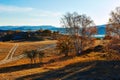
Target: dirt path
{"type": "Point", "coordinates": [46, 47]}
{"type": "Point", "coordinates": [10, 58]}
{"type": "Point", "coordinates": [11, 52]}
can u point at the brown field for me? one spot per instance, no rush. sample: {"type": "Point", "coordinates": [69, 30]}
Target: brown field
{"type": "Point", "coordinates": [4, 49]}
{"type": "Point", "coordinates": [32, 46]}
{"type": "Point", "coordinates": [6, 46]}
{"type": "Point", "coordinates": [93, 66]}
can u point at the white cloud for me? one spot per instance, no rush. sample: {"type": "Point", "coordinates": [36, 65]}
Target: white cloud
{"type": "Point", "coordinates": [4, 8]}
{"type": "Point", "coordinates": [44, 13]}
{"type": "Point", "coordinates": [28, 16]}
{"type": "Point", "coordinates": [29, 11]}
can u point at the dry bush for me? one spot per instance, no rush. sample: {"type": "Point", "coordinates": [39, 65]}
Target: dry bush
{"type": "Point", "coordinates": [112, 50]}
{"type": "Point", "coordinates": [114, 45]}
{"type": "Point", "coordinates": [65, 45]}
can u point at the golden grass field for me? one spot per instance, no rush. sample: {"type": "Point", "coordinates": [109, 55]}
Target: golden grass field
{"type": "Point", "coordinates": [59, 63]}
{"type": "Point", "coordinates": [4, 49]}
{"type": "Point", "coordinates": [6, 46]}
{"type": "Point", "coordinates": [32, 46]}
{"type": "Point", "coordinates": [57, 67]}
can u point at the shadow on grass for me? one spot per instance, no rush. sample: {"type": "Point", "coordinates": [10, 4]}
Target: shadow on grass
{"type": "Point", "coordinates": [19, 67]}
{"type": "Point", "coordinates": [98, 48]}
{"type": "Point", "coordinates": [30, 66]}
{"type": "Point", "coordinates": [94, 70]}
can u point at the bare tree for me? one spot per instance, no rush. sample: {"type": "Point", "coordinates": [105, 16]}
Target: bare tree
{"type": "Point", "coordinates": [80, 28]}
{"type": "Point", "coordinates": [41, 54]}
{"type": "Point", "coordinates": [113, 28]}
{"type": "Point", "coordinates": [31, 55]}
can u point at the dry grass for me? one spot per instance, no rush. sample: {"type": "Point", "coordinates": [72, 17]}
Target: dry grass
{"type": "Point", "coordinates": [4, 49]}
{"type": "Point", "coordinates": [6, 46]}
{"type": "Point", "coordinates": [59, 62]}
{"type": "Point", "coordinates": [51, 64]}
{"type": "Point", "coordinates": [32, 46]}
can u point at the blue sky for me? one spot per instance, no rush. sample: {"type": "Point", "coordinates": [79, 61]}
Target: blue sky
{"type": "Point", "coordinates": [49, 12]}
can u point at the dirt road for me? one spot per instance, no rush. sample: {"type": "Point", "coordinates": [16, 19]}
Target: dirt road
{"type": "Point", "coordinates": [10, 58]}
{"type": "Point", "coordinates": [11, 52]}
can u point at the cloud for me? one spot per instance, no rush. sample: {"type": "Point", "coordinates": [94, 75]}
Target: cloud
{"type": "Point", "coordinates": [4, 8]}
{"type": "Point", "coordinates": [29, 11]}
{"type": "Point", "coordinates": [44, 13]}
{"type": "Point", "coordinates": [28, 16]}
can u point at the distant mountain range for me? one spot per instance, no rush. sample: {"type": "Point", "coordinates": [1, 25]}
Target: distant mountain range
{"type": "Point", "coordinates": [26, 28]}
{"type": "Point", "coordinates": [101, 28]}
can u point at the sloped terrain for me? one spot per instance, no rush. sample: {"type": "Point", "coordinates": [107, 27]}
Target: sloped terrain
{"type": "Point", "coordinates": [93, 64]}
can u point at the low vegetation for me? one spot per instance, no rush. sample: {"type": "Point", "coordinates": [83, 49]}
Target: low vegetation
{"type": "Point", "coordinates": [32, 55]}
{"type": "Point", "coordinates": [39, 35]}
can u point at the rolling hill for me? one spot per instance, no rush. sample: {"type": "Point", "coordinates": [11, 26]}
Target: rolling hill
{"type": "Point", "coordinates": [101, 28]}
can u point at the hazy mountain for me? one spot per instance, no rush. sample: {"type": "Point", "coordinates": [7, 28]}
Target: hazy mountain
{"type": "Point", "coordinates": [101, 28]}
{"type": "Point", "coordinates": [26, 28]}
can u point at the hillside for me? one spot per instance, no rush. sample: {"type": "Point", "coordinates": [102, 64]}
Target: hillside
{"type": "Point", "coordinates": [94, 65]}
{"type": "Point", "coordinates": [86, 67]}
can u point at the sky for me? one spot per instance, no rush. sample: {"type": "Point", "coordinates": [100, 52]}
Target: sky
{"type": "Point", "coordinates": [49, 12]}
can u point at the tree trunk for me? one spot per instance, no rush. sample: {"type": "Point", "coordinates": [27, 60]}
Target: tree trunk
{"type": "Point", "coordinates": [66, 53]}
